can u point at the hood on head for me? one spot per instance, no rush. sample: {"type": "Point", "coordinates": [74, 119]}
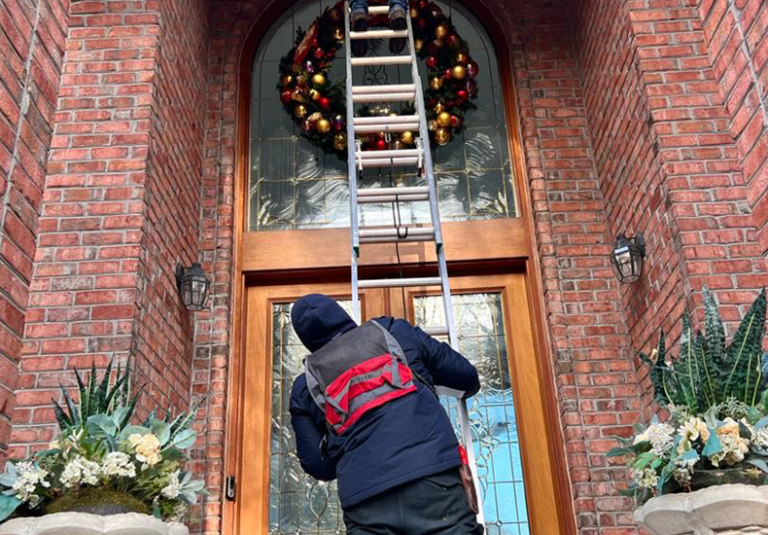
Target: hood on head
{"type": "Point", "coordinates": [318, 319]}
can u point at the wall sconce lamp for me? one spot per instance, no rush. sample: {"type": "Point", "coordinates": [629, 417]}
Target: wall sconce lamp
{"type": "Point", "coordinates": [627, 258]}
{"type": "Point", "coordinates": [193, 286]}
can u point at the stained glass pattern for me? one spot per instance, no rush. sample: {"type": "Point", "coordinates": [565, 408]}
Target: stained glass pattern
{"type": "Point", "coordinates": [298, 503]}
{"type": "Point", "coordinates": [482, 340]}
{"type": "Point", "coordinates": [295, 186]}
{"type": "Point", "coordinates": [301, 505]}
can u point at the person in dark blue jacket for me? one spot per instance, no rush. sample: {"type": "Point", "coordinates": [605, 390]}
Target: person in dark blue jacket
{"type": "Point", "coordinates": [398, 466]}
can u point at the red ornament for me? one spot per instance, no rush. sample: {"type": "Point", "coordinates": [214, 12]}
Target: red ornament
{"type": "Point", "coordinates": [422, 23]}
{"type": "Point", "coordinates": [285, 97]}
{"type": "Point", "coordinates": [462, 94]}
{"type": "Point", "coordinates": [314, 42]}
{"type": "Point", "coordinates": [455, 121]}
{"type": "Point", "coordinates": [381, 144]}
{"type": "Point", "coordinates": [448, 75]}
{"type": "Point", "coordinates": [473, 69]}
{"type": "Point", "coordinates": [325, 102]}
{"type": "Point", "coordinates": [431, 62]}
{"type": "Point", "coordinates": [454, 41]}
{"type": "Point", "coordinates": [471, 87]}
{"type": "Point", "coordinates": [319, 54]}
{"type": "Point", "coordinates": [423, 4]}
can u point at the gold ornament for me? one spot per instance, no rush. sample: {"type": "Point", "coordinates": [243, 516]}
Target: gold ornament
{"type": "Point", "coordinates": [301, 79]}
{"type": "Point", "coordinates": [393, 114]}
{"type": "Point", "coordinates": [432, 125]}
{"type": "Point", "coordinates": [318, 79]}
{"type": "Point", "coordinates": [439, 108]}
{"type": "Point", "coordinates": [323, 126]}
{"type": "Point", "coordinates": [338, 34]}
{"type": "Point", "coordinates": [298, 96]}
{"type": "Point", "coordinates": [287, 79]}
{"type": "Point", "coordinates": [314, 94]}
{"type": "Point", "coordinates": [300, 111]}
{"type": "Point", "coordinates": [461, 58]}
{"type": "Point", "coordinates": [414, 13]}
{"type": "Point", "coordinates": [444, 119]}
{"type": "Point", "coordinates": [441, 31]}
{"type": "Point", "coordinates": [437, 12]}
{"type": "Point", "coordinates": [407, 137]}
{"type": "Point", "coordinates": [340, 141]}
{"type": "Point", "coordinates": [397, 145]}
{"type": "Point", "coordinates": [315, 116]}
{"type": "Point", "coordinates": [419, 44]}
{"type": "Point", "coordinates": [442, 136]}
{"type": "Point", "coordinates": [438, 43]}
{"type": "Point", "coordinates": [436, 82]}
{"type": "Point", "coordinates": [459, 72]}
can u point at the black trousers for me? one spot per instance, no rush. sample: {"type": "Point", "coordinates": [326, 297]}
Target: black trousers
{"type": "Point", "coordinates": [433, 505]}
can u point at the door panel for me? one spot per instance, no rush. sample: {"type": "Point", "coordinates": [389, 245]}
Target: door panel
{"type": "Point", "coordinates": [492, 313]}
{"type": "Point", "coordinates": [274, 491]}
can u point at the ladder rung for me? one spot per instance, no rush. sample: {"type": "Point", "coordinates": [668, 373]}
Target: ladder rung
{"type": "Point", "coordinates": [386, 162]}
{"type": "Point", "coordinates": [396, 231]}
{"type": "Point", "coordinates": [380, 60]}
{"type": "Point", "coordinates": [400, 283]}
{"type": "Point", "coordinates": [398, 127]}
{"type": "Point", "coordinates": [436, 331]}
{"type": "Point", "coordinates": [394, 88]}
{"type": "Point", "coordinates": [383, 97]}
{"type": "Point", "coordinates": [386, 119]}
{"type": "Point", "coordinates": [378, 10]}
{"type": "Point", "coordinates": [392, 198]}
{"type": "Point", "coordinates": [379, 34]}
{"type": "Point", "coordinates": [391, 235]}
{"type": "Point", "coordinates": [375, 192]}
{"type": "Point", "coordinates": [392, 153]}
{"type": "Point", "coordinates": [450, 392]}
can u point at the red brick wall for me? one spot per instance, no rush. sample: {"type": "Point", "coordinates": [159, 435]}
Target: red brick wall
{"type": "Point", "coordinates": [32, 40]}
{"type": "Point", "coordinates": [737, 38]}
{"type": "Point", "coordinates": [120, 206]}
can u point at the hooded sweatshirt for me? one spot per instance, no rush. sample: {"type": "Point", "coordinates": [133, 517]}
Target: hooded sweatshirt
{"type": "Point", "coordinates": [401, 441]}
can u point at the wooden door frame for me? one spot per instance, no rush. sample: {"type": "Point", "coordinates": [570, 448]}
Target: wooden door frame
{"type": "Point", "coordinates": [519, 249]}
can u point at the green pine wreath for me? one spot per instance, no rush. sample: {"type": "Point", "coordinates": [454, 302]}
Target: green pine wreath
{"type": "Point", "coordinates": [318, 105]}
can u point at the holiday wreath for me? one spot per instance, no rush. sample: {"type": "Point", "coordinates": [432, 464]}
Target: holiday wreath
{"type": "Point", "coordinates": [318, 104]}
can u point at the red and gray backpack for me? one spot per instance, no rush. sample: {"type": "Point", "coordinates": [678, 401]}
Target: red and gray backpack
{"type": "Point", "coordinates": [356, 372]}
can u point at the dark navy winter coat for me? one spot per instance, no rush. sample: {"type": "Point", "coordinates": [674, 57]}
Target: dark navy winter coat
{"type": "Point", "coordinates": [401, 441]}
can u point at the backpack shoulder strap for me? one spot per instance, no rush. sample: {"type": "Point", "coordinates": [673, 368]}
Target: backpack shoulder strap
{"type": "Point", "coordinates": [397, 350]}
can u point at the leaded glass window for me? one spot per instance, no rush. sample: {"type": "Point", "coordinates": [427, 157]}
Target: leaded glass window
{"type": "Point", "coordinates": [293, 185]}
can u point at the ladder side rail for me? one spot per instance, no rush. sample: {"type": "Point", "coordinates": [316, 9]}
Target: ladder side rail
{"type": "Point", "coordinates": [466, 428]}
{"type": "Point", "coordinates": [352, 169]}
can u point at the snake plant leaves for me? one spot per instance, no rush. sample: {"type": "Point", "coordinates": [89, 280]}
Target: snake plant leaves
{"type": "Point", "coordinates": [744, 380]}
{"type": "Point", "coordinates": [707, 371]}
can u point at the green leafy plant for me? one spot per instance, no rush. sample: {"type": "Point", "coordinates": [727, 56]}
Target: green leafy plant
{"type": "Point", "coordinates": [717, 399]}
{"type": "Point", "coordinates": [100, 461]}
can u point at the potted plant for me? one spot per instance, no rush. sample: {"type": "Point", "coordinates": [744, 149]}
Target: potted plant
{"type": "Point", "coordinates": [102, 473]}
{"type": "Point", "coordinates": [701, 470]}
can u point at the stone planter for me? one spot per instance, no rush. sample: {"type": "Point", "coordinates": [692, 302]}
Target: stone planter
{"type": "Point", "coordinates": [724, 509]}
{"type": "Point", "coordinates": [86, 524]}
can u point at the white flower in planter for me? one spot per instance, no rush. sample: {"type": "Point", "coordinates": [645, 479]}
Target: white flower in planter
{"type": "Point", "coordinates": [29, 476]}
{"type": "Point", "coordinates": [118, 464]}
{"type": "Point", "coordinates": [80, 471]}
{"type": "Point", "coordinates": [173, 489]}
{"type": "Point", "coordinates": [661, 437]}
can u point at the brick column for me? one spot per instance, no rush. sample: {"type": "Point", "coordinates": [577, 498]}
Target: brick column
{"type": "Point", "coordinates": [120, 208]}
{"type": "Point", "coordinates": [32, 36]}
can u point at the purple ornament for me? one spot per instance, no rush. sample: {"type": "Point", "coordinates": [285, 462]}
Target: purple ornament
{"type": "Point", "coordinates": [309, 66]}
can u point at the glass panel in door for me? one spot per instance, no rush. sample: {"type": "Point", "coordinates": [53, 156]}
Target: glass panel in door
{"type": "Point", "coordinates": [482, 339]}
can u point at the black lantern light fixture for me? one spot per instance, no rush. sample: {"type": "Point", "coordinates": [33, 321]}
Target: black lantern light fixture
{"type": "Point", "coordinates": [627, 258]}
{"type": "Point", "coordinates": [193, 286]}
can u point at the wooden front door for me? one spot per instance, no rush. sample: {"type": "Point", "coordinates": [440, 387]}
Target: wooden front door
{"type": "Point", "coordinates": [494, 320]}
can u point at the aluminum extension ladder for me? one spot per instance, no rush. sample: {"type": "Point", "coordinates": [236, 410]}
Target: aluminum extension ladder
{"type": "Point", "coordinates": [421, 159]}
